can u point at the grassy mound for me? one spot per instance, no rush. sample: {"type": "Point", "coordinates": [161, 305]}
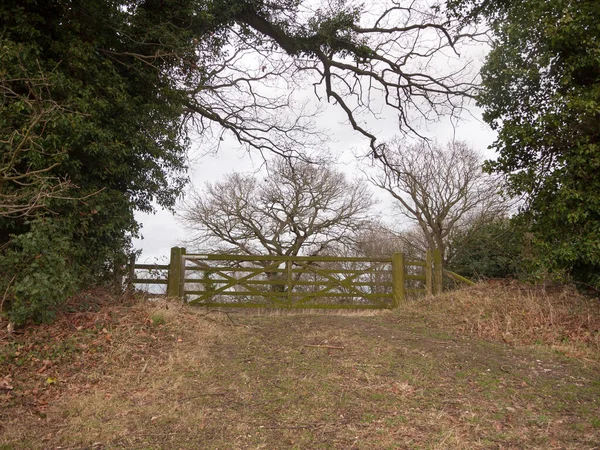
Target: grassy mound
{"type": "Point", "coordinates": [517, 314]}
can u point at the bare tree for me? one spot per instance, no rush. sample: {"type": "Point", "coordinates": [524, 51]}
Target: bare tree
{"type": "Point", "coordinates": [438, 188]}
{"type": "Point", "coordinates": [375, 240]}
{"type": "Point", "coordinates": [299, 209]}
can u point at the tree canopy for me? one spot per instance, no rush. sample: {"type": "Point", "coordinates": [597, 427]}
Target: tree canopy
{"type": "Point", "coordinates": [98, 99]}
{"type": "Point", "coordinates": [438, 188]}
{"type": "Point", "coordinates": [125, 79]}
{"type": "Point", "coordinates": [541, 92]}
{"type": "Point", "coordinates": [88, 137]}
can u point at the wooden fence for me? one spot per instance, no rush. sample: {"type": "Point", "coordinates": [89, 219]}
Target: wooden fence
{"type": "Point", "coordinates": [293, 282]}
{"type": "Point", "coordinates": [155, 273]}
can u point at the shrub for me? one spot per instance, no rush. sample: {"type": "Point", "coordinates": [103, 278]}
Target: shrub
{"type": "Point", "coordinates": [37, 274]}
{"type": "Point", "coordinates": [494, 249]}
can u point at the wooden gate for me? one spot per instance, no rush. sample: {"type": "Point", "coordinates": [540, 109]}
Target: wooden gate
{"type": "Point", "coordinates": [295, 282]}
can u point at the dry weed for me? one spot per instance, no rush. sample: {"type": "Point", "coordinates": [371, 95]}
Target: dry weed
{"type": "Point", "coordinates": [514, 313]}
{"type": "Point", "coordinates": [91, 370]}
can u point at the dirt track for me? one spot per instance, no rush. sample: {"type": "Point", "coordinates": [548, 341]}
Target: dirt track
{"type": "Point", "coordinates": [309, 382]}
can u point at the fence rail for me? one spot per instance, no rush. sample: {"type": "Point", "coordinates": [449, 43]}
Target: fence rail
{"type": "Point", "coordinates": [152, 271]}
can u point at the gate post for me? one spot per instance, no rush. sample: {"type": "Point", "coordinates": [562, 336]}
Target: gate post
{"type": "Point", "coordinates": [429, 273]}
{"type": "Point", "coordinates": [437, 269]}
{"type": "Point", "coordinates": [398, 288]}
{"type": "Point", "coordinates": [175, 272]}
{"type": "Point", "coordinates": [288, 272]}
{"type": "Point", "coordinates": [181, 289]}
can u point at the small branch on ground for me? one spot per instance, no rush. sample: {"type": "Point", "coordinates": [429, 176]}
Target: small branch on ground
{"type": "Point", "coordinates": [335, 347]}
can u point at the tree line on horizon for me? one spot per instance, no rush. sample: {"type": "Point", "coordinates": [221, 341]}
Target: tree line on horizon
{"type": "Point", "coordinates": [299, 208]}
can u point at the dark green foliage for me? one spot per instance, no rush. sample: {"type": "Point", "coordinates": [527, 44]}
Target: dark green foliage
{"type": "Point", "coordinates": [541, 92]}
{"type": "Point", "coordinates": [96, 97]}
{"type": "Point", "coordinates": [112, 126]}
{"type": "Point", "coordinates": [93, 128]}
{"type": "Point", "coordinates": [494, 249]}
{"type": "Point", "coordinates": [38, 270]}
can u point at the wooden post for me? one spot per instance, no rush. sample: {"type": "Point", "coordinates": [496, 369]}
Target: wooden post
{"type": "Point", "coordinates": [174, 272]}
{"type": "Point", "coordinates": [131, 271]}
{"type": "Point", "coordinates": [288, 271]}
{"type": "Point", "coordinates": [398, 287]}
{"type": "Point", "coordinates": [437, 269]}
{"type": "Point", "coordinates": [429, 273]}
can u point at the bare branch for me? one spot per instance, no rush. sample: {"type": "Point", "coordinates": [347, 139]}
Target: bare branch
{"type": "Point", "coordinates": [356, 63]}
{"type": "Point", "coordinates": [402, 59]}
{"type": "Point", "coordinates": [298, 209]}
{"type": "Point", "coordinates": [24, 187]}
{"type": "Point", "coordinates": [439, 189]}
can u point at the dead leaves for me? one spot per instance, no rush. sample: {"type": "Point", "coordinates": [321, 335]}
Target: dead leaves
{"type": "Point", "coordinates": [40, 363]}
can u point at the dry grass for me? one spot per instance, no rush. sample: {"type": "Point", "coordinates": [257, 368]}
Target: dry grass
{"type": "Point", "coordinates": [95, 365]}
{"type": "Point", "coordinates": [157, 375]}
{"type": "Point", "coordinates": [517, 314]}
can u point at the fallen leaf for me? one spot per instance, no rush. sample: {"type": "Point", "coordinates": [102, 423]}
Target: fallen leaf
{"type": "Point", "coordinates": [5, 383]}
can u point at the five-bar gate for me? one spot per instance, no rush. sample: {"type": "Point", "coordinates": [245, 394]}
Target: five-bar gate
{"type": "Point", "coordinates": [319, 282]}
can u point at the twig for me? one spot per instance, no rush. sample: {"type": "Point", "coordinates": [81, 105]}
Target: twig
{"type": "Point", "coordinates": [208, 394]}
{"type": "Point", "coordinates": [6, 292]}
{"type": "Point", "coordinates": [287, 427]}
{"type": "Point", "coordinates": [229, 317]}
{"type": "Point", "coordinates": [431, 341]}
{"type": "Point", "coordinates": [335, 347]}
{"type": "Point", "coordinates": [587, 285]}
{"type": "Point", "coordinates": [205, 316]}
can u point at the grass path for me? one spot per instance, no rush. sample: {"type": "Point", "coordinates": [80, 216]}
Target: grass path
{"type": "Point", "coordinates": [173, 379]}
